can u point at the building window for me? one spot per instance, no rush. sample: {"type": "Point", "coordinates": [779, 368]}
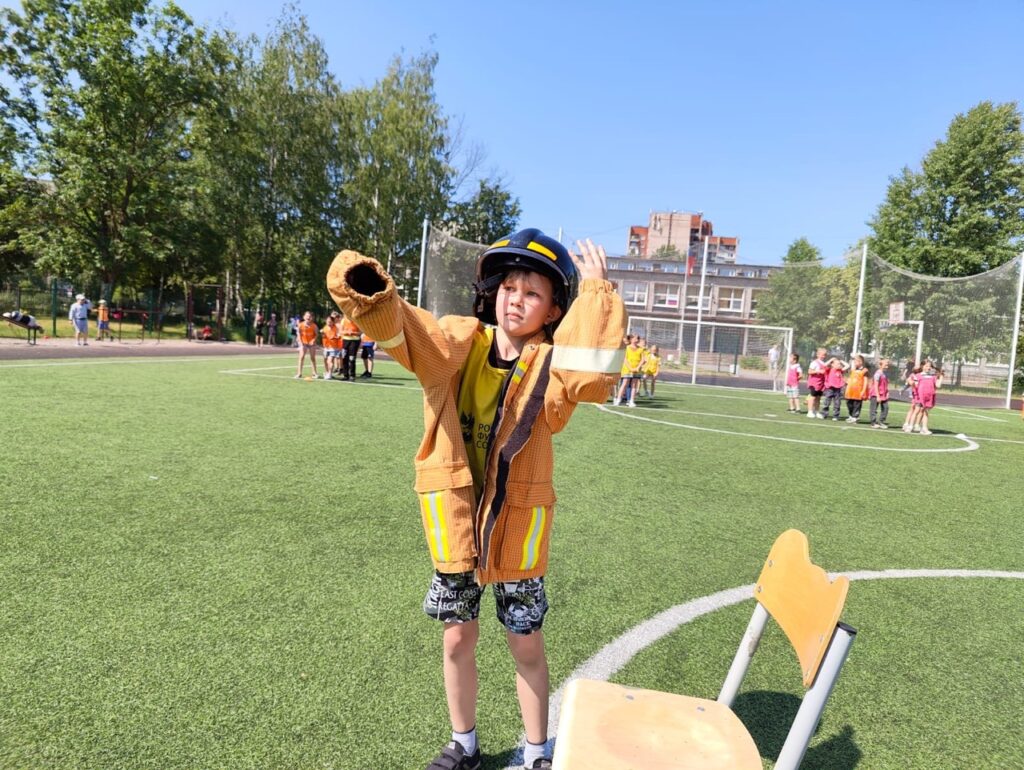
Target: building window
{"type": "Point", "coordinates": [646, 267]}
{"type": "Point", "coordinates": [730, 300]}
{"type": "Point", "coordinates": [754, 295]}
{"type": "Point", "coordinates": [727, 272]}
{"type": "Point", "coordinates": [666, 295]}
{"type": "Point", "coordinates": [691, 298]}
{"type": "Point", "coordinates": [621, 266]}
{"type": "Point", "coordinates": [634, 292]}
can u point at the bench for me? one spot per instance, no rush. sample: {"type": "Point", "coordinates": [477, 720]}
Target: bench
{"type": "Point", "coordinates": [24, 321]}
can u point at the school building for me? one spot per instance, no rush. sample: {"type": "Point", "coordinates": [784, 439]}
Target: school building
{"type": "Point", "coordinates": [659, 275]}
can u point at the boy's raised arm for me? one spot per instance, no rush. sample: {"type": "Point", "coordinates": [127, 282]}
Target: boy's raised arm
{"type": "Point", "coordinates": [588, 350]}
{"type": "Point", "coordinates": [366, 294]}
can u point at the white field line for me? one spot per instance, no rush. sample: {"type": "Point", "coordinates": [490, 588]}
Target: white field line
{"type": "Point", "coordinates": [414, 388]}
{"type": "Point", "coordinates": [969, 445]}
{"type": "Point", "coordinates": [141, 360]}
{"type": "Point", "coordinates": [611, 658]}
{"type": "Point", "coordinates": [970, 415]}
{"type": "Point", "coordinates": [1000, 440]}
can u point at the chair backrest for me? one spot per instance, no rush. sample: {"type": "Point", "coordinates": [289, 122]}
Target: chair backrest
{"type": "Point", "coordinates": [802, 599]}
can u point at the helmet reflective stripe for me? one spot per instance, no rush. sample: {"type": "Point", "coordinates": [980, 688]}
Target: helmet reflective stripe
{"type": "Point", "coordinates": [534, 246]}
{"type": "Point", "coordinates": [503, 242]}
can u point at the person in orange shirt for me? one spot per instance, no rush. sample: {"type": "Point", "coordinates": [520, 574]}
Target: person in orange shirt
{"type": "Point", "coordinates": [307, 343]}
{"type": "Point", "coordinates": [350, 337]}
{"type": "Point", "coordinates": [330, 335]}
{"type": "Point", "coordinates": [368, 347]}
{"type": "Point", "coordinates": [858, 388]}
{"type": "Point", "coordinates": [103, 322]}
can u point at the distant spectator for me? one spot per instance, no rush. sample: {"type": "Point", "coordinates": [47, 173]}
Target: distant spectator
{"type": "Point", "coordinates": [350, 337]}
{"type": "Point", "coordinates": [272, 329]}
{"type": "Point", "coordinates": [307, 343]}
{"type": "Point", "coordinates": [773, 365]}
{"type": "Point", "coordinates": [293, 331]}
{"type": "Point", "coordinates": [103, 322]}
{"type": "Point", "coordinates": [79, 317]}
{"type": "Point", "coordinates": [259, 327]}
{"type": "Point", "coordinates": [206, 333]}
{"type": "Point", "coordinates": [368, 347]}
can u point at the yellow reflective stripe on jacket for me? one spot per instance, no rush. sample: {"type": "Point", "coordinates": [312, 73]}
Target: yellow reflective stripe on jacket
{"type": "Point", "coordinates": [435, 525]}
{"type": "Point", "coordinates": [531, 545]}
{"type": "Point", "coordinates": [521, 367]}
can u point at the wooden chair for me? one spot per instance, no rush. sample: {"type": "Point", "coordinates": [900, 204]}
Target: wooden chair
{"type": "Point", "coordinates": [606, 726]}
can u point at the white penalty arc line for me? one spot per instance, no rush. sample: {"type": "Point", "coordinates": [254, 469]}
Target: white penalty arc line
{"type": "Point", "coordinates": [969, 446]}
{"type": "Point", "coordinates": [411, 388]}
{"type": "Point", "coordinates": [611, 658]}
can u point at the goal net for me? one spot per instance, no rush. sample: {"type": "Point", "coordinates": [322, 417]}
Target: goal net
{"type": "Point", "coordinates": [965, 325]}
{"type": "Point", "coordinates": [448, 271]}
{"type": "Point", "coordinates": [747, 355]}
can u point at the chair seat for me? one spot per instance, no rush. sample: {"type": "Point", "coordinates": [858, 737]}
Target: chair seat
{"type": "Point", "coordinates": [605, 726]}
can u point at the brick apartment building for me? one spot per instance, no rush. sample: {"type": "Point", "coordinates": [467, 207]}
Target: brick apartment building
{"type": "Point", "coordinates": [659, 276]}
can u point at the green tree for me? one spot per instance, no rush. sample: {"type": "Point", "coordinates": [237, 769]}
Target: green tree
{"type": "Point", "coordinates": [963, 212]}
{"type": "Point", "coordinates": [797, 296]}
{"type": "Point", "coordinates": [668, 252]}
{"type": "Point", "coordinates": [403, 172]}
{"type": "Point", "coordinates": [110, 90]}
{"type": "Point", "coordinates": [275, 153]}
{"type": "Point", "coordinates": [491, 213]}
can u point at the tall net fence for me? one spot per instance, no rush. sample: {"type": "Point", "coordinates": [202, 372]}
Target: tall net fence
{"type": "Point", "coordinates": [753, 354]}
{"type": "Point", "coordinates": [449, 270]}
{"type": "Point", "coordinates": [964, 325]}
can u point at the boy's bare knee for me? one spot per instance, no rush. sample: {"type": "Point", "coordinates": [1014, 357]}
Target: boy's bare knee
{"type": "Point", "coordinates": [460, 639]}
{"type": "Point", "coordinates": [527, 649]}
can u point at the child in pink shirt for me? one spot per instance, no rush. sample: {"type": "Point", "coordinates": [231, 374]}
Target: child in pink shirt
{"type": "Point", "coordinates": [793, 375]}
{"type": "Point", "coordinates": [928, 382]}
{"type": "Point", "coordinates": [880, 395]}
{"type": "Point", "coordinates": [834, 382]}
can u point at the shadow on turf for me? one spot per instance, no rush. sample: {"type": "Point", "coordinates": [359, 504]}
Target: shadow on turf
{"type": "Point", "coordinates": [767, 715]}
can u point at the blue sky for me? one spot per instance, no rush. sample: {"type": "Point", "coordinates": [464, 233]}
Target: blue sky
{"type": "Point", "coordinates": [777, 120]}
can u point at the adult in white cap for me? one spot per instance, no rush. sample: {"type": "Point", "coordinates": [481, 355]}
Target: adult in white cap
{"type": "Point", "coordinates": [79, 317]}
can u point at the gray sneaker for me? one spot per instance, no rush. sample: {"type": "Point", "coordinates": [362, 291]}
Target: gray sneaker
{"type": "Point", "coordinates": [454, 757]}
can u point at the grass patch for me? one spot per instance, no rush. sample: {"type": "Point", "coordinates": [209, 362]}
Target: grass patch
{"type": "Point", "coordinates": [207, 570]}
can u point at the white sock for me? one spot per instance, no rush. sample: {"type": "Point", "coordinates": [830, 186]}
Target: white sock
{"type": "Point", "coordinates": [534, 751]}
{"type": "Point", "coordinates": [468, 740]}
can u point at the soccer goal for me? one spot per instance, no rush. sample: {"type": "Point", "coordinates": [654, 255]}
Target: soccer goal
{"type": "Point", "coordinates": [714, 353]}
{"type": "Point", "coordinates": [967, 326]}
{"type": "Point", "coordinates": [447, 272]}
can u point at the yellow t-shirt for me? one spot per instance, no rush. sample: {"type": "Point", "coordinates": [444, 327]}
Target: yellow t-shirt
{"type": "Point", "coordinates": [479, 390]}
{"type": "Point", "coordinates": [631, 363]}
{"type": "Point", "coordinates": [653, 364]}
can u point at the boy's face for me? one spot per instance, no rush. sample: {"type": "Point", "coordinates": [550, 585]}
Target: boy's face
{"type": "Point", "coordinates": [307, 317]}
{"type": "Point", "coordinates": [525, 302]}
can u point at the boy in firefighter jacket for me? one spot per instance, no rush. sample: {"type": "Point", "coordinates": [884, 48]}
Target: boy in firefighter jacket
{"type": "Point", "coordinates": [496, 387]}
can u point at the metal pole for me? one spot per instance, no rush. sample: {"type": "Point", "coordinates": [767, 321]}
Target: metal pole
{"type": "Point", "coordinates": [700, 311]}
{"type": "Point", "coordinates": [1016, 332]}
{"type": "Point", "coordinates": [920, 337]}
{"type": "Point", "coordinates": [423, 260]}
{"type": "Point", "coordinates": [860, 300]}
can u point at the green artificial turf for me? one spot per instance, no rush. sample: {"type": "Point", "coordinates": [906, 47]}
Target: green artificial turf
{"type": "Point", "coordinates": [209, 570]}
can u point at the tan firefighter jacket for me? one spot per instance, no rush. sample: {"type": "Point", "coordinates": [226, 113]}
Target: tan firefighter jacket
{"type": "Point", "coordinates": [504, 535]}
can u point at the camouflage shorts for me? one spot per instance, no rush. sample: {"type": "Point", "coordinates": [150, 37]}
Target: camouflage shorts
{"type": "Point", "coordinates": [521, 604]}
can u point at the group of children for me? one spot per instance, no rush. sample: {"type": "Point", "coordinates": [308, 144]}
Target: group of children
{"type": "Point", "coordinates": [341, 342]}
{"type": "Point", "coordinates": [640, 369]}
{"type": "Point", "coordinates": [829, 381]}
